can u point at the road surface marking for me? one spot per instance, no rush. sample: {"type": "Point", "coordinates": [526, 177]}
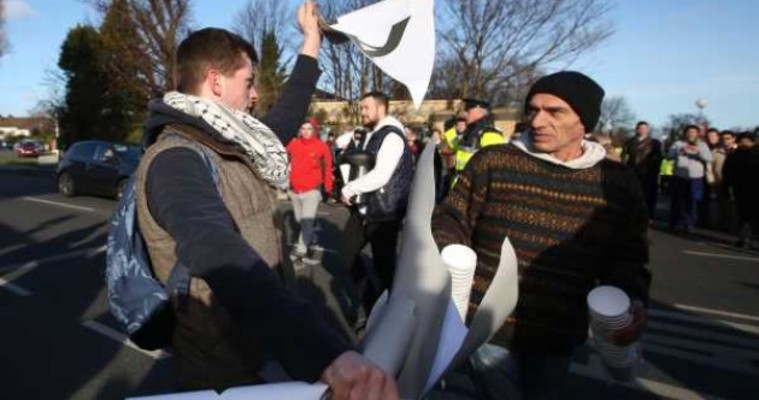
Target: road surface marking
{"type": "Point", "coordinates": [717, 255]}
{"type": "Point", "coordinates": [701, 346]}
{"type": "Point", "coordinates": [717, 312]}
{"type": "Point", "coordinates": [14, 288]}
{"type": "Point", "coordinates": [13, 272]}
{"type": "Point", "coordinates": [59, 204]}
{"type": "Point", "coordinates": [706, 360]}
{"type": "Point", "coordinates": [13, 248]}
{"type": "Point", "coordinates": [701, 320]}
{"type": "Point", "coordinates": [594, 370]}
{"type": "Point", "coordinates": [726, 338]}
{"type": "Point", "coordinates": [113, 334]}
{"type": "Point", "coordinates": [29, 265]}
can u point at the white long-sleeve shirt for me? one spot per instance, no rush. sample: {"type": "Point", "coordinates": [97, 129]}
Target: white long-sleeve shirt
{"type": "Point", "coordinates": [388, 156]}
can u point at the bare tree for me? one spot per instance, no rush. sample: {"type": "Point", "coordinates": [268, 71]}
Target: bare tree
{"type": "Point", "coordinates": [499, 45]}
{"type": "Point", "coordinates": [258, 17]}
{"type": "Point", "coordinates": [159, 25]}
{"type": "Point", "coordinates": [349, 73]}
{"type": "Point", "coordinates": [615, 114]}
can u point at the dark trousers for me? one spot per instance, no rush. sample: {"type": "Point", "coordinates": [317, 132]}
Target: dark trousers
{"type": "Point", "coordinates": [650, 186]}
{"type": "Point", "coordinates": [383, 238]}
{"type": "Point", "coordinates": [686, 195]}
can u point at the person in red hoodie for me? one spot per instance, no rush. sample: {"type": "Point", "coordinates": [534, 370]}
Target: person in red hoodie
{"type": "Point", "coordinates": [310, 171]}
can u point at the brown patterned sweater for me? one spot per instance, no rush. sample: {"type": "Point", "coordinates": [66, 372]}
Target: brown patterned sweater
{"type": "Point", "coordinates": [572, 229]}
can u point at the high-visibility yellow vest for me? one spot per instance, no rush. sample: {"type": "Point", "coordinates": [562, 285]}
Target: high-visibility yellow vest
{"type": "Point", "coordinates": [489, 137]}
{"type": "Point", "coordinates": [451, 137]}
{"type": "Point", "coordinates": [667, 167]}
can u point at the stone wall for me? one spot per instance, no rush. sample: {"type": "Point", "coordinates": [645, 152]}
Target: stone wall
{"type": "Point", "coordinates": [342, 115]}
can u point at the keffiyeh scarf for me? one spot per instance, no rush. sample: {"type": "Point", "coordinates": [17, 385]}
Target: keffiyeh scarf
{"type": "Point", "coordinates": [250, 135]}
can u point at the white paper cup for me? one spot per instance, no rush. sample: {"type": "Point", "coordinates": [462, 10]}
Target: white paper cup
{"type": "Point", "coordinates": [608, 303]}
{"type": "Point", "coordinates": [461, 262]}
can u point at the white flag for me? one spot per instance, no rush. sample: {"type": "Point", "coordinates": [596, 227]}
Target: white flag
{"type": "Point", "coordinates": [399, 37]}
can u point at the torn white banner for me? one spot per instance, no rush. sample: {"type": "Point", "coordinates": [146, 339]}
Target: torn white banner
{"type": "Point", "coordinates": [399, 37]}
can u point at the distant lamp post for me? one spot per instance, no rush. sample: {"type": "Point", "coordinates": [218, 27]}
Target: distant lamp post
{"type": "Point", "coordinates": [701, 104]}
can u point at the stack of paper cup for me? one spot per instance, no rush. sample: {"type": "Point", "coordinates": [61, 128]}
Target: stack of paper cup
{"type": "Point", "coordinates": [461, 262]}
{"type": "Point", "coordinates": [609, 312]}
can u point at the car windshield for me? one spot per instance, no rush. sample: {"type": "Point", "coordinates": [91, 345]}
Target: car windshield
{"type": "Point", "coordinates": [130, 153]}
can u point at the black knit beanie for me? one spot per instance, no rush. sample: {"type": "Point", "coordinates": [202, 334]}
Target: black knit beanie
{"type": "Point", "coordinates": [583, 94]}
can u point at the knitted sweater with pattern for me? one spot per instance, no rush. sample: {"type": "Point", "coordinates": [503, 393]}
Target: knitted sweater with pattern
{"type": "Point", "coordinates": [572, 229]}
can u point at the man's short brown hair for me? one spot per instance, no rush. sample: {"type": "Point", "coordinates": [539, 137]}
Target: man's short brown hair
{"type": "Point", "coordinates": [206, 49]}
{"type": "Point", "coordinates": [379, 97]}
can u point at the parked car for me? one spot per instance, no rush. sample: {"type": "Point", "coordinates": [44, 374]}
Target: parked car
{"type": "Point", "coordinates": [29, 148]}
{"type": "Point", "coordinates": [97, 167]}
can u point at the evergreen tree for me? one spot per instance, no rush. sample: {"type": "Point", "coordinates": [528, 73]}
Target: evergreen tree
{"type": "Point", "coordinates": [271, 74]}
{"type": "Point", "coordinates": [91, 109]}
{"type": "Point", "coordinates": [126, 64]}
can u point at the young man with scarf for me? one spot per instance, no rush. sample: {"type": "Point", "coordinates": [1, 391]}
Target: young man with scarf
{"type": "Point", "coordinates": [236, 314]}
{"type": "Point", "coordinates": [575, 219]}
{"type": "Point", "coordinates": [643, 154]}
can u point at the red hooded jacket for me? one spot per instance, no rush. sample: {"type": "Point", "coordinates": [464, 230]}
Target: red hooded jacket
{"type": "Point", "coordinates": [310, 165]}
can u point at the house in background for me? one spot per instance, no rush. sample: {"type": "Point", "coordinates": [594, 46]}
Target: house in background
{"type": "Point", "coordinates": [15, 128]}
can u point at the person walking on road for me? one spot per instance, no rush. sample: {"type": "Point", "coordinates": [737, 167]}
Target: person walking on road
{"type": "Point", "coordinates": [690, 155]}
{"type": "Point", "coordinates": [310, 177]}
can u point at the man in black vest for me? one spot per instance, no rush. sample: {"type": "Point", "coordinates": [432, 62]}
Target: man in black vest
{"type": "Point", "coordinates": [377, 199]}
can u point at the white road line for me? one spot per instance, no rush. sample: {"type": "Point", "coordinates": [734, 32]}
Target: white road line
{"type": "Point", "coordinates": [716, 255]}
{"type": "Point", "coordinates": [726, 338]}
{"type": "Point", "coordinates": [717, 312]}
{"type": "Point", "coordinates": [117, 336]}
{"type": "Point", "coordinates": [701, 320]}
{"type": "Point", "coordinates": [55, 203]}
{"type": "Point", "coordinates": [706, 360]}
{"type": "Point", "coordinates": [12, 248]}
{"type": "Point", "coordinates": [14, 288]}
{"type": "Point", "coordinates": [89, 252]}
{"type": "Point", "coordinates": [718, 350]}
{"type": "Point", "coordinates": [594, 370]}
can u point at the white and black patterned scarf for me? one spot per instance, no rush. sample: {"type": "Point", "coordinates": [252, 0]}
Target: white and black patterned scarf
{"type": "Point", "coordinates": [254, 138]}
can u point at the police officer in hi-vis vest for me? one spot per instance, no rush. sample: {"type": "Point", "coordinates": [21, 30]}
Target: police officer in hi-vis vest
{"type": "Point", "coordinates": [480, 131]}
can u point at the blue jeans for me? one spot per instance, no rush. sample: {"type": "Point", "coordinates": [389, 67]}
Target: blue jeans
{"type": "Point", "coordinates": [494, 373]}
{"type": "Point", "coordinates": [686, 195]}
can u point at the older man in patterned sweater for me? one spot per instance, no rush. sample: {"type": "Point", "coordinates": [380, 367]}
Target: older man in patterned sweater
{"type": "Point", "coordinates": [575, 219]}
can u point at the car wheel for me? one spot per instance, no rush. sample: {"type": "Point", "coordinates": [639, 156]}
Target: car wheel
{"type": "Point", "coordinates": [66, 184]}
{"type": "Point", "coordinates": [120, 188]}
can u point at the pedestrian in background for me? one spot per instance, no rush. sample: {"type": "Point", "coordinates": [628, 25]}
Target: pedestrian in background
{"type": "Point", "coordinates": [643, 154]}
{"type": "Point", "coordinates": [310, 182]}
{"type": "Point", "coordinates": [690, 155]}
{"type": "Point", "coordinates": [377, 199]}
{"type": "Point", "coordinates": [740, 175]}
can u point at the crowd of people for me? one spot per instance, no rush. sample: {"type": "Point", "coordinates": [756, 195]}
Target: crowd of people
{"type": "Point", "coordinates": [575, 216]}
{"type": "Point", "coordinates": [706, 172]}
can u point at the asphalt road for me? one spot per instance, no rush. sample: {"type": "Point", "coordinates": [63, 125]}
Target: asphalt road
{"type": "Point", "coordinates": [58, 340]}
